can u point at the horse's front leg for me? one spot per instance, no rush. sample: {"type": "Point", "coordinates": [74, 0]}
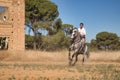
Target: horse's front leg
{"type": "Point", "coordinates": [76, 59]}
{"type": "Point", "coordinates": [76, 56]}
{"type": "Point", "coordinates": [71, 58]}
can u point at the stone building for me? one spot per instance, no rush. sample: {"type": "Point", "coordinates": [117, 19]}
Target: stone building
{"type": "Point", "coordinates": [12, 18]}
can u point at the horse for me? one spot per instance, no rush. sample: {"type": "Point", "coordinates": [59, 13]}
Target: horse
{"type": "Point", "coordinates": [77, 47]}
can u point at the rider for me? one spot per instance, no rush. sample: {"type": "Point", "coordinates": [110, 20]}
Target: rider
{"type": "Point", "coordinates": [82, 34]}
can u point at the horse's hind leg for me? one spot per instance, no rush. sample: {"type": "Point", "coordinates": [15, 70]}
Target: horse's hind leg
{"type": "Point", "coordinates": [70, 61]}
{"type": "Point", "coordinates": [69, 57]}
{"type": "Point", "coordinates": [83, 58]}
{"type": "Point", "coordinates": [87, 54]}
{"type": "Point", "coordinates": [73, 55]}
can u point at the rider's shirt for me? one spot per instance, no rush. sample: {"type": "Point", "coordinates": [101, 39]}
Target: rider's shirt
{"type": "Point", "coordinates": [82, 31]}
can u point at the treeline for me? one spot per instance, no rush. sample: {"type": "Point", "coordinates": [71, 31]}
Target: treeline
{"type": "Point", "coordinates": [57, 41]}
{"type": "Point", "coordinates": [57, 37]}
{"type": "Point", "coordinates": [105, 41]}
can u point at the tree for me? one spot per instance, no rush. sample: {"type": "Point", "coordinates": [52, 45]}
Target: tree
{"type": "Point", "coordinates": [39, 14]}
{"type": "Point", "coordinates": [107, 40]}
{"type": "Point", "coordinates": [67, 28]}
{"type": "Point", "coordinates": [57, 25]}
{"type": "Point", "coordinates": [28, 42]}
{"type": "Point", "coordinates": [55, 42]}
{"type": "Point", "coordinates": [93, 43]}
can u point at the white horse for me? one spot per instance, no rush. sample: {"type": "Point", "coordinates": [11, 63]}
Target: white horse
{"type": "Point", "coordinates": [77, 47]}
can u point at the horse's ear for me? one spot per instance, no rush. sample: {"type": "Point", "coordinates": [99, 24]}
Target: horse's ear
{"type": "Point", "coordinates": [70, 31]}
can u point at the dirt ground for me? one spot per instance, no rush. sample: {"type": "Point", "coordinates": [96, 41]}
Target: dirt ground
{"type": "Point", "coordinates": [36, 65]}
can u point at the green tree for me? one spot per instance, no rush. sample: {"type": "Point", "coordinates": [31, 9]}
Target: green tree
{"type": "Point", "coordinates": [55, 42]}
{"type": "Point", "coordinates": [107, 41]}
{"type": "Point", "coordinates": [57, 25]}
{"type": "Point", "coordinates": [56, 38]}
{"type": "Point", "coordinates": [28, 41]}
{"type": "Point", "coordinates": [119, 44]}
{"type": "Point", "coordinates": [67, 28]}
{"type": "Point", "coordinates": [39, 14]}
{"type": "Point", "coordinates": [93, 43]}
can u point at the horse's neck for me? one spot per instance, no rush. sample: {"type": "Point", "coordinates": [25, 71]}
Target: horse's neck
{"type": "Point", "coordinates": [77, 38]}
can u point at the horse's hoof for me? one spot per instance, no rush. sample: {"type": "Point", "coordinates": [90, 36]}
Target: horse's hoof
{"type": "Point", "coordinates": [73, 64]}
{"type": "Point", "coordinates": [69, 64]}
{"type": "Point", "coordinates": [82, 64]}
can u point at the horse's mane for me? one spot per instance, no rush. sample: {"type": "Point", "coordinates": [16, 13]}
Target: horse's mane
{"type": "Point", "coordinates": [78, 37]}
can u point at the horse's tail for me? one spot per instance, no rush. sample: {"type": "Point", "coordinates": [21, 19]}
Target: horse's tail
{"type": "Point", "coordinates": [87, 52]}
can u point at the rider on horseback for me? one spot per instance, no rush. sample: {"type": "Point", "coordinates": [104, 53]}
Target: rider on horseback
{"type": "Point", "coordinates": [81, 38]}
{"type": "Point", "coordinates": [78, 44]}
{"type": "Point", "coordinates": [82, 34]}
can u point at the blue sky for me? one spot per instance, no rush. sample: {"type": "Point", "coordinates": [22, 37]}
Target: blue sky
{"type": "Point", "coordinates": [97, 15]}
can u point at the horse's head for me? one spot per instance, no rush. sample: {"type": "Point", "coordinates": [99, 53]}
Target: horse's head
{"type": "Point", "coordinates": [74, 33]}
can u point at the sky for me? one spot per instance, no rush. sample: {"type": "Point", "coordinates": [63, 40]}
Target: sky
{"type": "Point", "coordinates": [97, 15]}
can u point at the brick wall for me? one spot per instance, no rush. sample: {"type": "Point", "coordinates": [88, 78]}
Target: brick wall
{"type": "Point", "coordinates": [13, 26]}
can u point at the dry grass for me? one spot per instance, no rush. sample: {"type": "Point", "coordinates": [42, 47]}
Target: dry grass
{"type": "Point", "coordinates": [35, 56]}
{"type": "Point", "coordinates": [106, 56]}
{"type": "Point", "coordinates": [58, 56]}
